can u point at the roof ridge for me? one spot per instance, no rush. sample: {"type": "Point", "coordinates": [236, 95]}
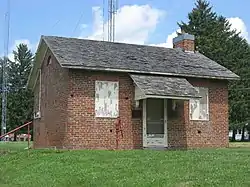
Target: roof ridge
{"type": "Point", "coordinates": [117, 42]}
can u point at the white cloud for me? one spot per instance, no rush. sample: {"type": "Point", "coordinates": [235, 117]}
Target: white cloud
{"type": "Point", "coordinates": [134, 23]}
{"type": "Point", "coordinates": [169, 42]}
{"type": "Point", "coordinates": [97, 24]}
{"type": "Point", "coordinates": [83, 26]}
{"type": "Point", "coordinates": [239, 25]}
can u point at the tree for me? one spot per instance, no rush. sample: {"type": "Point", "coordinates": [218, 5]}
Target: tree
{"type": "Point", "coordinates": [2, 61]}
{"type": "Point", "coordinates": [20, 101]}
{"type": "Point", "coordinates": [216, 40]}
{"type": "Point", "coordinates": [19, 70]}
{"type": "Point", "coordinates": [211, 31]}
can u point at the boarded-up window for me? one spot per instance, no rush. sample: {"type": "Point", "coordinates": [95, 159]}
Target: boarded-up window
{"type": "Point", "coordinates": [199, 107]}
{"type": "Point", "coordinates": [106, 99]}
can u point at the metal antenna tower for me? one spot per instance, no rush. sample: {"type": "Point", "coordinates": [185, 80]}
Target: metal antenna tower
{"type": "Point", "coordinates": [4, 68]}
{"type": "Point", "coordinates": [112, 10]}
{"type": "Point", "coordinates": [103, 20]}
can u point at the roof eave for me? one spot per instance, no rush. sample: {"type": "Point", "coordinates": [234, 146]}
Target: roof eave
{"type": "Point", "coordinates": [69, 66]}
{"type": "Point", "coordinates": [172, 97]}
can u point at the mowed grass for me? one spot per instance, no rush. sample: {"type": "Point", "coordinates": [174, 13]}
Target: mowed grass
{"type": "Point", "coordinates": [49, 168]}
{"type": "Point", "coordinates": [13, 146]}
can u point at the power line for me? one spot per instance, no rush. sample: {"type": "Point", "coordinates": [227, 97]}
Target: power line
{"type": "Point", "coordinates": [55, 24]}
{"type": "Point", "coordinates": [78, 22]}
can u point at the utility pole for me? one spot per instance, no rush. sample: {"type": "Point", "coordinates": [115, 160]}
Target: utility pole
{"type": "Point", "coordinates": [4, 69]}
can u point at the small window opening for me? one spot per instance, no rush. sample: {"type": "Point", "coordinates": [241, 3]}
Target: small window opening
{"type": "Point", "coordinates": [49, 60]}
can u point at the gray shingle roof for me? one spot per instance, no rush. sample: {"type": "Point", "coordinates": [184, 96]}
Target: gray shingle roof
{"type": "Point", "coordinates": [99, 55]}
{"type": "Point", "coordinates": [165, 86]}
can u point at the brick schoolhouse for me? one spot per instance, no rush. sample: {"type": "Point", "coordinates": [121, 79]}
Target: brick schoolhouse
{"type": "Point", "coordinates": [161, 97]}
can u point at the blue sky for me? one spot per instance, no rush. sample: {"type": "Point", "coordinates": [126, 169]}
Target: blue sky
{"type": "Point", "coordinates": [139, 21]}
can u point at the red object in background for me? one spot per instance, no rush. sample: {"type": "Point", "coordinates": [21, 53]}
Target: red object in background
{"type": "Point", "coordinates": [118, 130]}
{"type": "Point", "coordinates": [16, 129]}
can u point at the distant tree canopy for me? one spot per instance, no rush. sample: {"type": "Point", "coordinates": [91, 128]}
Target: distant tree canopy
{"type": "Point", "coordinates": [216, 40]}
{"type": "Point", "coordinates": [19, 98]}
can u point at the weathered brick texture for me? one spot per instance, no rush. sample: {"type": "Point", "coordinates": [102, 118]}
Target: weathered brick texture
{"type": "Point", "coordinates": [49, 130]}
{"type": "Point", "coordinates": [212, 133]}
{"type": "Point", "coordinates": [137, 133]}
{"type": "Point", "coordinates": [176, 129]}
{"type": "Point", "coordinates": [68, 113]}
{"type": "Point", "coordinates": [186, 133]}
{"type": "Point", "coordinates": [87, 131]}
{"type": "Point", "coordinates": [188, 45]}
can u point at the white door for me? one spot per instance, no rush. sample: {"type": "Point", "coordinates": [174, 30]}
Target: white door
{"type": "Point", "coordinates": [154, 122]}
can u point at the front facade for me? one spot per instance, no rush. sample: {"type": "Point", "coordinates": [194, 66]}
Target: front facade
{"type": "Point", "coordinates": [78, 109]}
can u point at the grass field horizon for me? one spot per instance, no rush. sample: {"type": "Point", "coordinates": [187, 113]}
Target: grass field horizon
{"type": "Point", "coordinates": [52, 168]}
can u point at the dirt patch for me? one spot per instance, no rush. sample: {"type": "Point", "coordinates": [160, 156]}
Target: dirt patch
{"type": "Point", "coordinates": [239, 144]}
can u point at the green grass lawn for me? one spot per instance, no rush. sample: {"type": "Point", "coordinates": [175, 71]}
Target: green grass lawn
{"type": "Point", "coordinates": [13, 146]}
{"type": "Point", "coordinates": [49, 168]}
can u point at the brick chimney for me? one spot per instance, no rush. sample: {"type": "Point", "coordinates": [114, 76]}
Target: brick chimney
{"type": "Point", "coordinates": [184, 41]}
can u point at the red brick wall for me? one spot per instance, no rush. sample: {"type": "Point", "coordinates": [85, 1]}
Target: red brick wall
{"type": "Point", "coordinates": [137, 133]}
{"type": "Point", "coordinates": [212, 133]}
{"type": "Point", "coordinates": [91, 132]}
{"type": "Point", "coordinates": [183, 132]}
{"type": "Point", "coordinates": [84, 129]}
{"type": "Point", "coordinates": [68, 113]}
{"type": "Point", "coordinates": [49, 130]}
{"type": "Point", "coordinates": [176, 128]}
{"type": "Point", "coordinates": [185, 44]}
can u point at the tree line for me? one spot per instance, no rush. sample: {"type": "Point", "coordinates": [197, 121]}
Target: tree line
{"type": "Point", "coordinates": [216, 39]}
{"type": "Point", "coordinates": [19, 98]}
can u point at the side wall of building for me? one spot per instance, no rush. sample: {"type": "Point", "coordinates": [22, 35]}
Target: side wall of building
{"type": "Point", "coordinates": [186, 133]}
{"type": "Point", "coordinates": [49, 130]}
{"type": "Point", "coordinates": [214, 132]}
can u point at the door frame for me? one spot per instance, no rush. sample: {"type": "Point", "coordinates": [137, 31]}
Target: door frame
{"type": "Point", "coordinates": [144, 121]}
